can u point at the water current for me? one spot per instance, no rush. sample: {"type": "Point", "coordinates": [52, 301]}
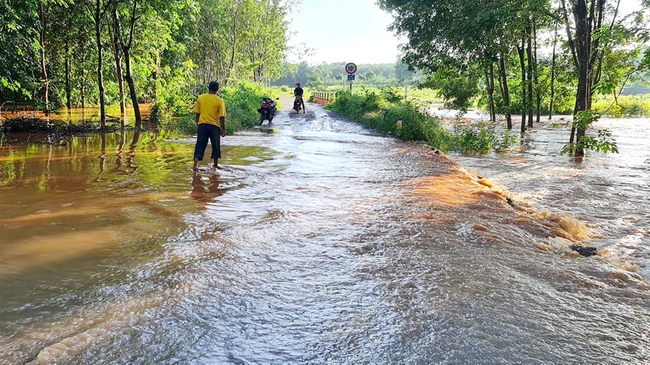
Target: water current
{"type": "Point", "coordinates": [323, 243]}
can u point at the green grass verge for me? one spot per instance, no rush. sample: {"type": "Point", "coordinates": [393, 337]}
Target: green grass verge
{"type": "Point", "coordinates": [381, 110]}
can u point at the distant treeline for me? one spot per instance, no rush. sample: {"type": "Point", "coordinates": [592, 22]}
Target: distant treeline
{"type": "Point", "coordinates": [323, 76]}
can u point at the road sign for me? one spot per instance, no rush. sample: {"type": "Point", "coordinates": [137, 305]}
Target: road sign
{"type": "Point", "coordinates": [351, 68]}
{"type": "Point", "coordinates": [350, 77]}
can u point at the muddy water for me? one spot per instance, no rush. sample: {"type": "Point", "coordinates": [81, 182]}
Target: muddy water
{"type": "Point", "coordinates": [321, 243]}
{"type": "Point", "coordinates": [76, 115]}
{"type": "Point", "coordinates": [609, 193]}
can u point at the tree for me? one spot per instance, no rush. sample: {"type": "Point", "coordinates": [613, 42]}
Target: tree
{"type": "Point", "coordinates": [590, 33]}
{"type": "Point", "coordinates": [447, 33]}
{"type": "Point", "coordinates": [125, 42]}
{"type": "Point", "coordinates": [97, 10]}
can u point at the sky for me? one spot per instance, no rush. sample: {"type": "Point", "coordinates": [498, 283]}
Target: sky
{"type": "Point", "coordinates": [343, 31]}
{"type": "Point", "coordinates": [352, 31]}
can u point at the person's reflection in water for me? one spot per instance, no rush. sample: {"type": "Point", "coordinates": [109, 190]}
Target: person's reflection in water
{"type": "Point", "coordinates": [200, 188]}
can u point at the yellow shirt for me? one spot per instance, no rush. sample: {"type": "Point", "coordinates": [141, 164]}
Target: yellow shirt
{"type": "Point", "coordinates": [210, 107]}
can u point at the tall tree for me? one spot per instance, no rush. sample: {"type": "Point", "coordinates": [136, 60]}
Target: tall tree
{"type": "Point", "coordinates": [126, 42]}
{"type": "Point", "coordinates": [98, 10]}
{"type": "Point", "coordinates": [441, 33]}
{"type": "Point", "coordinates": [589, 34]}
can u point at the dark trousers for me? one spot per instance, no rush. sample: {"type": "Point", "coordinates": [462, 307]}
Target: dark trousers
{"type": "Point", "coordinates": [205, 132]}
{"type": "Point", "coordinates": [302, 103]}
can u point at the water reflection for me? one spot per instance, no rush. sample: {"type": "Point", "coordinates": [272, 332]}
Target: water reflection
{"type": "Point", "coordinates": [202, 190]}
{"type": "Point", "coordinates": [77, 115]}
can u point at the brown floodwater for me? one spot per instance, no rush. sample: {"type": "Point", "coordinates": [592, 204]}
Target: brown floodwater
{"type": "Point", "coordinates": [322, 243]}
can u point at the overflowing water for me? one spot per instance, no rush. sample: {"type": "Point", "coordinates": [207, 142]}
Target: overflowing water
{"type": "Point", "coordinates": [323, 243]}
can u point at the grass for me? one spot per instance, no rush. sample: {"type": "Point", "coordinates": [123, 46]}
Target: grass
{"type": "Point", "coordinates": [387, 112]}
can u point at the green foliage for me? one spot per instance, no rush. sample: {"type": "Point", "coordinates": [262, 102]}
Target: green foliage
{"type": "Point", "coordinates": [482, 137]}
{"type": "Point", "coordinates": [456, 86]}
{"type": "Point", "coordinates": [508, 139]}
{"type": "Point", "coordinates": [450, 41]}
{"type": "Point", "coordinates": [185, 124]}
{"type": "Point", "coordinates": [600, 143]}
{"type": "Point", "coordinates": [479, 137]}
{"type": "Point", "coordinates": [382, 110]}
{"type": "Point", "coordinates": [242, 101]}
{"type": "Point", "coordinates": [177, 46]}
{"type": "Point", "coordinates": [159, 114]}
{"type": "Point", "coordinates": [624, 107]}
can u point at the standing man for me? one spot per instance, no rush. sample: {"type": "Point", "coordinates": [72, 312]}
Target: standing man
{"type": "Point", "coordinates": [297, 92]}
{"type": "Point", "coordinates": [211, 122]}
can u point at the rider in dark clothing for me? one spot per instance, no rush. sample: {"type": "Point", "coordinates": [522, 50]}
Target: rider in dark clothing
{"type": "Point", "coordinates": [297, 92]}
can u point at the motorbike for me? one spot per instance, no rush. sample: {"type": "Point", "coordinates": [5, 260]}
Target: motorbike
{"type": "Point", "coordinates": [297, 104]}
{"type": "Point", "coordinates": [267, 110]}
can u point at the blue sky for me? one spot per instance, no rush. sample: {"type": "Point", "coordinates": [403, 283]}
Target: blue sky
{"type": "Point", "coordinates": [352, 31]}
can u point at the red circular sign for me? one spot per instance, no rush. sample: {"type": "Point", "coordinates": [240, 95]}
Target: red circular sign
{"type": "Point", "coordinates": [351, 68]}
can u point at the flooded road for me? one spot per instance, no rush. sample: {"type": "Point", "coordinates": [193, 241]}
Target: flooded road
{"type": "Point", "coordinates": [321, 243]}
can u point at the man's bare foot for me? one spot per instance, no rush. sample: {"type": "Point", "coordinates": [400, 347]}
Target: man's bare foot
{"type": "Point", "coordinates": [218, 167]}
{"type": "Point", "coordinates": [195, 167]}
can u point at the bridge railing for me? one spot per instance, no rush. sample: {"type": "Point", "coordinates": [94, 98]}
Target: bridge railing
{"type": "Point", "coordinates": [323, 98]}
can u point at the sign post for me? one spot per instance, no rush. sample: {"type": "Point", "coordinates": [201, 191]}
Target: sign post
{"type": "Point", "coordinates": [351, 69]}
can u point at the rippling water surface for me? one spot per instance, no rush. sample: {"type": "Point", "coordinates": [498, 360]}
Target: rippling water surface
{"type": "Point", "coordinates": [322, 243]}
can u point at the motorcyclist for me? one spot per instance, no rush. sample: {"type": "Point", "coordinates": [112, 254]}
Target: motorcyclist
{"type": "Point", "coordinates": [298, 92]}
{"type": "Point", "coordinates": [267, 111]}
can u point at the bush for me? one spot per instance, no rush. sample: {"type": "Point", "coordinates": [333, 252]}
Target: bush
{"type": "Point", "coordinates": [475, 137]}
{"type": "Point", "coordinates": [159, 113]}
{"type": "Point", "coordinates": [185, 124]}
{"type": "Point", "coordinates": [242, 101]}
{"type": "Point", "coordinates": [382, 110]}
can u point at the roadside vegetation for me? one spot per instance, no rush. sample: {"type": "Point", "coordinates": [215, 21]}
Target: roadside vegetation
{"type": "Point", "coordinates": [388, 112]}
{"type": "Point", "coordinates": [242, 101]}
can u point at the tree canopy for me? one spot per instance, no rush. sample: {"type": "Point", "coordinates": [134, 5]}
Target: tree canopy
{"type": "Point", "coordinates": [94, 52]}
{"type": "Point", "coordinates": [594, 47]}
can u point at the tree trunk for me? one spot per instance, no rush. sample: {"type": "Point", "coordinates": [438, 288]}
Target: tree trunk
{"type": "Point", "coordinates": [134, 96]}
{"type": "Point", "coordinates": [583, 51]}
{"type": "Point", "coordinates": [82, 85]}
{"type": "Point", "coordinates": [68, 77]}
{"type": "Point", "coordinates": [100, 60]}
{"type": "Point", "coordinates": [41, 41]}
{"type": "Point", "coordinates": [538, 93]}
{"type": "Point", "coordinates": [553, 66]}
{"type": "Point", "coordinates": [492, 105]}
{"type": "Point", "coordinates": [529, 83]}
{"type": "Point", "coordinates": [524, 108]}
{"type": "Point", "coordinates": [126, 51]}
{"type": "Point", "coordinates": [489, 88]}
{"type": "Point", "coordinates": [118, 68]}
{"type": "Point", "coordinates": [505, 92]}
